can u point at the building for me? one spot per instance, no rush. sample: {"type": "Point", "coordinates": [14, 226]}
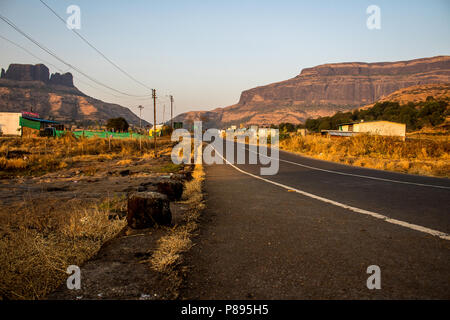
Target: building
{"type": "Point", "coordinates": [178, 125]}
{"type": "Point", "coordinates": [377, 127]}
{"type": "Point", "coordinates": [10, 123]}
{"type": "Point", "coordinates": [35, 126]}
{"type": "Point", "coordinates": [302, 132]}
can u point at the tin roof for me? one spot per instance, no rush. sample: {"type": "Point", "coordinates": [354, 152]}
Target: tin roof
{"type": "Point", "coordinates": [358, 122]}
{"type": "Point", "coordinates": [340, 133]}
{"type": "Point", "coordinates": [39, 119]}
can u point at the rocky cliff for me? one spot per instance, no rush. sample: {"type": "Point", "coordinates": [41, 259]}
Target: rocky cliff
{"type": "Point", "coordinates": [325, 89]}
{"type": "Point", "coordinates": [31, 87]}
{"type": "Point", "coordinates": [39, 72]}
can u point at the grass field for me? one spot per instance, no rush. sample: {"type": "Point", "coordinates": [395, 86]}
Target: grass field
{"type": "Point", "coordinates": [34, 156]}
{"type": "Point", "coordinates": [424, 155]}
{"type": "Point", "coordinates": [38, 245]}
{"type": "Point", "coordinates": [77, 202]}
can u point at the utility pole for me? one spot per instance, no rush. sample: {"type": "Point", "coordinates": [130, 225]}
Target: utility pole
{"type": "Point", "coordinates": [140, 117]}
{"type": "Point", "coordinates": [171, 111]}
{"type": "Point", "coordinates": [164, 112]}
{"type": "Point", "coordinates": [140, 128]}
{"type": "Point", "coordinates": [154, 119]}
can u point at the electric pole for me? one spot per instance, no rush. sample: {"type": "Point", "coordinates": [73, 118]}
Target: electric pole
{"type": "Point", "coordinates": [171, 111]}
{"type": "Point", "coordinates": [164, 112]}
{"type": "Point", "coordinates": [154, 119]}
{"type": "Point", "coordinates": [140, 117]}
{"type": "Point", "coordinates": [140, 128]}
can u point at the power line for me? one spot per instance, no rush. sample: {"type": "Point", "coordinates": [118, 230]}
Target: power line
{"type": "Point", "coordinates": [97, 50]}
{"type": "Point", "coordinates": [11, 24]}
{"type": "Point", "coordinates": [31, 54]}
{"type": "Point", "coordinates": [51, 64]}
{"type": "Point", "coordinates": [63, 71]}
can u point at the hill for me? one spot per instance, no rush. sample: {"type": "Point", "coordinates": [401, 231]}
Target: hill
{"type": "Point", "coordinates": [419, 107]}
{"type": "Point", "coordinates": [31, 87]}
{"type": "Point", "coordinates": [416, 94]}
{"type": "Point", "coordinates": [324, 90]}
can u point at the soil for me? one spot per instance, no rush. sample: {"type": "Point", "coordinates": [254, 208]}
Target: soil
{"type": "Point", "coordinates": [119, 270]}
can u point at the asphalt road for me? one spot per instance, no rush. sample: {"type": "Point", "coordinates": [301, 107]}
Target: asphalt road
{"type": "Point", "coordinates": [311, 231]}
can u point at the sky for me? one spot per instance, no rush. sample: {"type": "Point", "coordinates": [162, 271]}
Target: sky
{"type": "Point", "coordinates": [205, 53]}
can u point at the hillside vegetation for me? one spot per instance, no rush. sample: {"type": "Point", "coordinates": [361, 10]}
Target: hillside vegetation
{"type": "Point", "coordinates": [429, 113]}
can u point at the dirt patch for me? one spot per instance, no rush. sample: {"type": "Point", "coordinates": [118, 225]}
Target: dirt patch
{"type": "Point", "coordinates": [121, 271]}
{"type": "Point", "coordinates": [62, 215]}
{"type": "Point", "coordinates": [143, 264]}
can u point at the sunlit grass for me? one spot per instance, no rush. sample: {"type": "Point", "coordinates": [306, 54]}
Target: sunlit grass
{"type": "Point", "coordinates": [416, 156]}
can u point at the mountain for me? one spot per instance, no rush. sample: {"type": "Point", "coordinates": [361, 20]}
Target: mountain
{"type": "Point", "coordinates": [25, 87]}
{"type": "Point", "coordinates": [416, 94]}
{"type": "Point", "coordinates": [323, 90]}
{"type": "Point", "coordinates": [423, 107]}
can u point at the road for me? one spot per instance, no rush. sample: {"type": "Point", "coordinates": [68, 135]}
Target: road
{"type": "Point", "coordinates": [311, 231]}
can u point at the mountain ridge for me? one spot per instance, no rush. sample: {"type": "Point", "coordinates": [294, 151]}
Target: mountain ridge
{"type": "Point", "coordinates": [25, 87]}
{"type": "Point", "coordinates": [324, 90]}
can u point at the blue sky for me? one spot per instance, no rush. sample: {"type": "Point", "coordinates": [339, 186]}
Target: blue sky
{"type": "Point", "coordinates": [206, 52]}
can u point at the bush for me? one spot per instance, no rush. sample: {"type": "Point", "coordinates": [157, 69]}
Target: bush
{"type": "Point", "coordinates": [414, 115]}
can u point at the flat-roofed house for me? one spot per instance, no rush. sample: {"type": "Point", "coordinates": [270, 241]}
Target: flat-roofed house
{"type": "Point", "coordinates": [34, 126]}
{"type": "Point", "coordinates": [10, 123]}
{"type": "Point", "coordinates": [377, 127]}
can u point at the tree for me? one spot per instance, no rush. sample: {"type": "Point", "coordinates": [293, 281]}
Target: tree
{"type": "Point", "coordinates": [312, 124]}
{"type": "Point", "coordinates": [118, 124]}
{"type": "Point", "coordinates": [433, 112]}
{"type": "Point", "coordinates": [286, 127]}
{"type": "Point", "coordinates": [415, 115]}
{"type": "Point", "coordinates": [325, 124]}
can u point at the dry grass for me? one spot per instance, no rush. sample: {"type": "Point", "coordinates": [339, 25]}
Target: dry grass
{"type": "Point", "coordinates": [37, 245]}
{"type": "Point", "coordinates": [170, 247]}
{"type": "Point", "coordinates": [39, 239]}
{"type": "Point", "coordinates": [20, 156]}
{"type": "Point", "coordinates": [169, 250]}
{"type": "Point", "coordinates": [423, 156]}
{"type": "Point", "coordinates": [124, 162]}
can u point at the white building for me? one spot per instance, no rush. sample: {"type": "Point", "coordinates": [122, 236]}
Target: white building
{"type": "Point", "coordinates": [10, 123]}
{"type": "Point", "coordinates": [377, 127]}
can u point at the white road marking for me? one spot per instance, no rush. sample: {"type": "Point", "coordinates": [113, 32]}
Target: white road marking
{"type": "Point", "coordinates": [353, 175]}
{"type": "Point", "coordinates": [432, 232]}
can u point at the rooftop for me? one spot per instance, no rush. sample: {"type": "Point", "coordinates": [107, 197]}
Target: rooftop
{"type": "Point", "coordinates": [357, 122]}
{"type": "Point", "coordinates": [39, 119]}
